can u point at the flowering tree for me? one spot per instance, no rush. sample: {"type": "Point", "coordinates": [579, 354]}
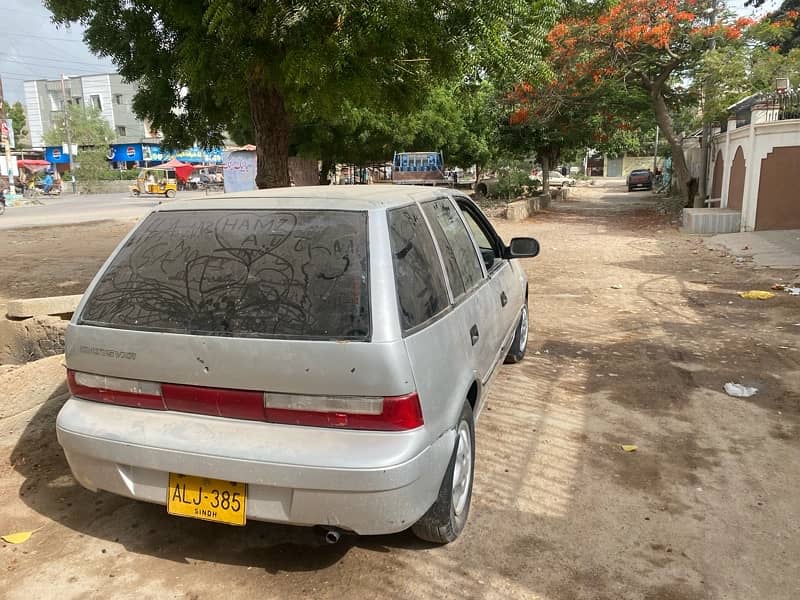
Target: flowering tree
{"type": "Point", "coordinates": [571, 111]}
{"type": "Point", "coordinates": [647, 43]}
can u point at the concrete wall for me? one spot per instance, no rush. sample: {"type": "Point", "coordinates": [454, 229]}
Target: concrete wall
{"type": "Point", "coordinates": [621, 167]}
{"type": "Point", "coordinates": [303, 171]}
{"type": "Point", "coordinates": [630, 163]}
{"type": "Point", "coordinates": [755, 142]}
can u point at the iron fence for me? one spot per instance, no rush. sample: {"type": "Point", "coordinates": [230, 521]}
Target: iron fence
{"type": "Point", "coordinates": [784, 105]}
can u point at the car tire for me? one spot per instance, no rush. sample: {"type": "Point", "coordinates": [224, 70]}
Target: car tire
{"type": "Point", "coordinates": [520, 343]}
{"type": "Point", "coordinates": [445, 520]}
{"type": "Point", "coordinates": [482, 189]}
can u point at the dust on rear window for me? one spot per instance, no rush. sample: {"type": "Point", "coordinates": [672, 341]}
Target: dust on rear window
{"type": "Point", "coordinates": [262, 273]}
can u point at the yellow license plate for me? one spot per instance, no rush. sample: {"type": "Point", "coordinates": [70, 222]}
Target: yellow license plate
{"type": "Point", "coordinates": [207, 499]}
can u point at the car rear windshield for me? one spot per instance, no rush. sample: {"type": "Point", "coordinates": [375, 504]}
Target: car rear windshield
{"type": "Point", "coordinates": [260, 273]}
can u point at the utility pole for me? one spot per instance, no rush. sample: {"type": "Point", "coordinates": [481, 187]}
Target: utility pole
{"type": "Point", "coordinates": [6, 140]}
{"type": "Point", "coordinates": [68, 132]}
{"type": "Point", "coordinates": [705, 141]}
{"type": "Point", "coordinates": [655, 153]}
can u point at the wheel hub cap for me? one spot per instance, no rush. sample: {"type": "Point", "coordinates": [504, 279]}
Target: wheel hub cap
{"type": "Point", "coordinates": [523, 330]}
{"type": "Point", "coordinates": [462, 472]}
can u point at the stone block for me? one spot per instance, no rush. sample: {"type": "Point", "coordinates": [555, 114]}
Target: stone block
{"type": "Point", "coordinates": [31, 307]}
{"type": "Point", "coordinates": [711, 220]}
{"type": "Point", "coordinates": [517, 211]}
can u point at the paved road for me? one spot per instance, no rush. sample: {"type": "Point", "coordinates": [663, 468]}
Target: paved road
{"type": "Point", "coordinates": [80, 209]}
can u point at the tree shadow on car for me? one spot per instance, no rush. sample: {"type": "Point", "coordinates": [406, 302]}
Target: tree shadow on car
{"type": "Point", "coordinates": [50, 489]}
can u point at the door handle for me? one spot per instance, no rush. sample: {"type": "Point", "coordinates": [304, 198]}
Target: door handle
{"type": "Point", "coordinates": [474, 335]}
{"type": "Point", "coordinates": [503, 298]}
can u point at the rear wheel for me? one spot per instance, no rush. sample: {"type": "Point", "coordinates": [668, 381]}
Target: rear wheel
{"type": "Point", "coordinates": [517, 351]}
{"type": "Point", "coordinates": [170, 193]}
{"type": "Point", "coordinates": [445, 520]}
{"type": "Point", "coordinates": [135, 192]}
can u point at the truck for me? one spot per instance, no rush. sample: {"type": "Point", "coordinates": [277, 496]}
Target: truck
{"type": "Point", "coordinates": [419, 168]}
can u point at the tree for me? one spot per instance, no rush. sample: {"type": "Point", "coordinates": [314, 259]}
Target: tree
{"type": "Point", "coordinates": [571, 111]}
{"type": "Point", "coordinates": [87, 128]}
{"type": "Point", "coordinates": [648, 43]}
{"type": "Point", "coordinates": [16, 113]}
{"type": "Point", "coordinates": [789, 10]}
{"type": "Point", "coordinates": [202, 65]}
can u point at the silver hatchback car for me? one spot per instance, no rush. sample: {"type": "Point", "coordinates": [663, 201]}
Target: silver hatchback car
{"type": "Point", "coordinates": [313, 356]}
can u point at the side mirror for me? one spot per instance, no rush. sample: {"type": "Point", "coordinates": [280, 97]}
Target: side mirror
{"type": "Point", "coordinates": [523, 247]}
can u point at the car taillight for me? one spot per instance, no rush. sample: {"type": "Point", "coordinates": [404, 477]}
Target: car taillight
{"type": "Point", "coordinates": [115, 390]}
{"type": "Point", "coordinates": [392, 413]}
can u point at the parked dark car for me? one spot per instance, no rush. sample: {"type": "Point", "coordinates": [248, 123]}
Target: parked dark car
{"type": "Point", "coordinates": [640, 178]}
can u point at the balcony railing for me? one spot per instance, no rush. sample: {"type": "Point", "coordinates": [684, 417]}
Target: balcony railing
{"type": "Point", "coordinates": [784, 105]}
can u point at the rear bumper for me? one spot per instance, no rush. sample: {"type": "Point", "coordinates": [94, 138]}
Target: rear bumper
{"type": "Point", "coordinates": [295, 475]}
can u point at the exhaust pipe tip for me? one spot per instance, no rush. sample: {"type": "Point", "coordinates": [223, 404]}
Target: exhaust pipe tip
{"type": "Point", "coordinates": [332, 536]}
{"type": "Point", "coordinates": [328, 534]}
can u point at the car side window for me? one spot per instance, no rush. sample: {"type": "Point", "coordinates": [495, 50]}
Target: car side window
{"type": "Point", "coordinates": [490, 251]}
{"type": "Point", "coordinates": [461, 261]}
{"type": "Point", "coordinates": [421, 290]}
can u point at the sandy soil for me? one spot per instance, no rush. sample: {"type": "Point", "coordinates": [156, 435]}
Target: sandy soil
{"type": "Point", "coordinates": [707, 507]}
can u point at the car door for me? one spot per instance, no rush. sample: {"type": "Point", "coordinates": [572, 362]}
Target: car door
{"type": "Point", "coordinates": [466, 276]}
{"type": "Point", "coordinates": [504, 293]}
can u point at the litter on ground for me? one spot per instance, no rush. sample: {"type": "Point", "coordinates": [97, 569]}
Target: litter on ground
{"type": "Point", "coordinates": [757, 295]}
{"type": "Point", "coordinates": [738, 390]}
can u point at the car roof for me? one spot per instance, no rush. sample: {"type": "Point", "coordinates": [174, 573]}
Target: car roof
{"type": "Point", "coordinates": [340, 197]}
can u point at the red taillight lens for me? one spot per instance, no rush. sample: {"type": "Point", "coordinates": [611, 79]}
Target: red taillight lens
{"type": "Point", "coordinates": [236, 404]}
{"type": "Point", "coordinates": [393, 413]}
{"type": "Point", "coordinates": [115, 390]}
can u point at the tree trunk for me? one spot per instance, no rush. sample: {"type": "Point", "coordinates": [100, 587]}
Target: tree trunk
{"type": "Point", "coordinates": [325, 171]}
{"type": "Point", "coordinates": [545, 173]}
{"type": "Point", "coordinates": [680, 172]}
{"type": "Point", "coordinates": [271, 125]}
{"type": "Point", "coordinates": [477, 177]}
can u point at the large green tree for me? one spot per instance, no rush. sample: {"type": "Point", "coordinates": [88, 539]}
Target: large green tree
{"type": "Point", "coordinates": [87, 128]}
{"type": "Point", "coordinates": [16, 113]}
{"type": "Point", "coordinates": [203, 64]}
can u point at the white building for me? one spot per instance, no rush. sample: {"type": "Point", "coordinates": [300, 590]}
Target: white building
{"type": "Point", "coordinates": [44, 102]}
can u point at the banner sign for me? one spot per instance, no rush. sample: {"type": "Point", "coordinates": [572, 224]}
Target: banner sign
{"type": "Point", "coordinates": [154, 153]}
{"type": "Point", "coordinates": [240, 171]}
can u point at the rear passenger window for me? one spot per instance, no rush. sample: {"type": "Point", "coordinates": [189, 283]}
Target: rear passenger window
{"type": "Point", "coordinates": [421, 290]}
{"type": "Point", "coordinates": [260, 273]}
{"type": "Point", "coordinates": [461, 260]}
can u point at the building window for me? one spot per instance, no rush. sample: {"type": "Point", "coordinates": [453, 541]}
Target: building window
{"type": "Point", "coordinates": [95, 100]}
{"type": "Point", "coordinates": [76, 100]}
{"type": "Point", "coordinates": [117, 98]}
{"type": "Point", "coordinates": [121, 130]}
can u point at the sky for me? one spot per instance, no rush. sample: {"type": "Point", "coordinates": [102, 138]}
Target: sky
{"type": "Point", "coordinates": [34, 48]}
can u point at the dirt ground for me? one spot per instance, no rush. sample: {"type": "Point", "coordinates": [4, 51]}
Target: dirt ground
{"type": "Point", "coordinates": [635, 330]}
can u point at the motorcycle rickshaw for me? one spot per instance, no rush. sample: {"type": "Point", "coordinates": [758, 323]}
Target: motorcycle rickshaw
{"type": "Point", "coordinates": [157, 182]}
